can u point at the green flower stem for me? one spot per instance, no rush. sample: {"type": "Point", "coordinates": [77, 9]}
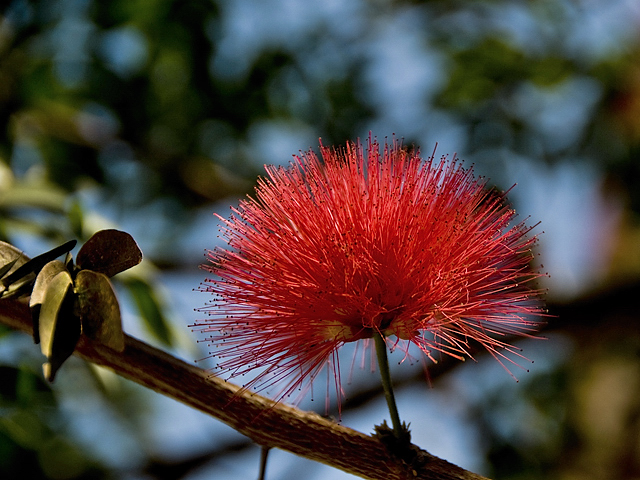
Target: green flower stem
{"type": "Point", "coordinates": [383, 364]}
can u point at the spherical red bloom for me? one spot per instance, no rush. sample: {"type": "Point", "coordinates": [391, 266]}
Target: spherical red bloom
{"type": "Point", "coordinates": [331, 251]}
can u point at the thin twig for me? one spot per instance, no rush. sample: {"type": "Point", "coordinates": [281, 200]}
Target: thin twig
{"type": "Point", "coordinates": [264, 455]}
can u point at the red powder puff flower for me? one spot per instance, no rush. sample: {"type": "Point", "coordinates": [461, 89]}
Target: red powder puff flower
{"type": "Point", "coordinates": [362, 242]}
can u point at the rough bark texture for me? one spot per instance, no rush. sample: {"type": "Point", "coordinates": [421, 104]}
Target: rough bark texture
{"type": "Point", "coordinates": [264, 421]}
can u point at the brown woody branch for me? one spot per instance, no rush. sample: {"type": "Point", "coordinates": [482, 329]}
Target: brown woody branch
{"type": "Point", "coordinates": [264, 421]}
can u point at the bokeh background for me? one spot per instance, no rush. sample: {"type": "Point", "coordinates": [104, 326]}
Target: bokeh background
{"type": "Point", "coordinates": [151, 115]}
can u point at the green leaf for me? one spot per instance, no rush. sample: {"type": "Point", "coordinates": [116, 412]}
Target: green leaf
{"type": "Point", "coordinates": [43, 280]}
{"type": "Point", "coordinates": [98, 309]}
{"type": "Point", "coordinates": [109, 252]}
{"type": "Point", "coordinates": [148, 306]}
{"type": "Point", "coordinates": [59, 327]}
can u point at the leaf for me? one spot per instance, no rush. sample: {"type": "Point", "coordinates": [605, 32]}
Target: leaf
{"type": "Point", "coordinates": [98, 309]}
{"type": "Point", "coordinates": [8, 266]}
{"type": "Point", "coordinates": [9, 253]}
{"type": "Point", "coordinates": [5, 268]}
{"type": "Point", "coordinates": [43, 280]}
{"type": "Point", "coordinates": [10, 260]}
{"type": "Point", "coordinates": [151, 312]}
{"type": "Point", "coordinates": [59, 328]}
{"type": "Point", "coordinates": [25, 271]}
{"type": "Point", "coordinates": [109, 252]}
{"type": "Point", "coordinates": [68, 262]}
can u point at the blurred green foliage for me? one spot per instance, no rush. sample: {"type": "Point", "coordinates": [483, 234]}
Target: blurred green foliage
{"type": "Point", "coordinates": [489, 69]}
{"type": "Point", "coordinates": [149, 104]}
{"type": "Point", "coordinates": [31, 441]}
